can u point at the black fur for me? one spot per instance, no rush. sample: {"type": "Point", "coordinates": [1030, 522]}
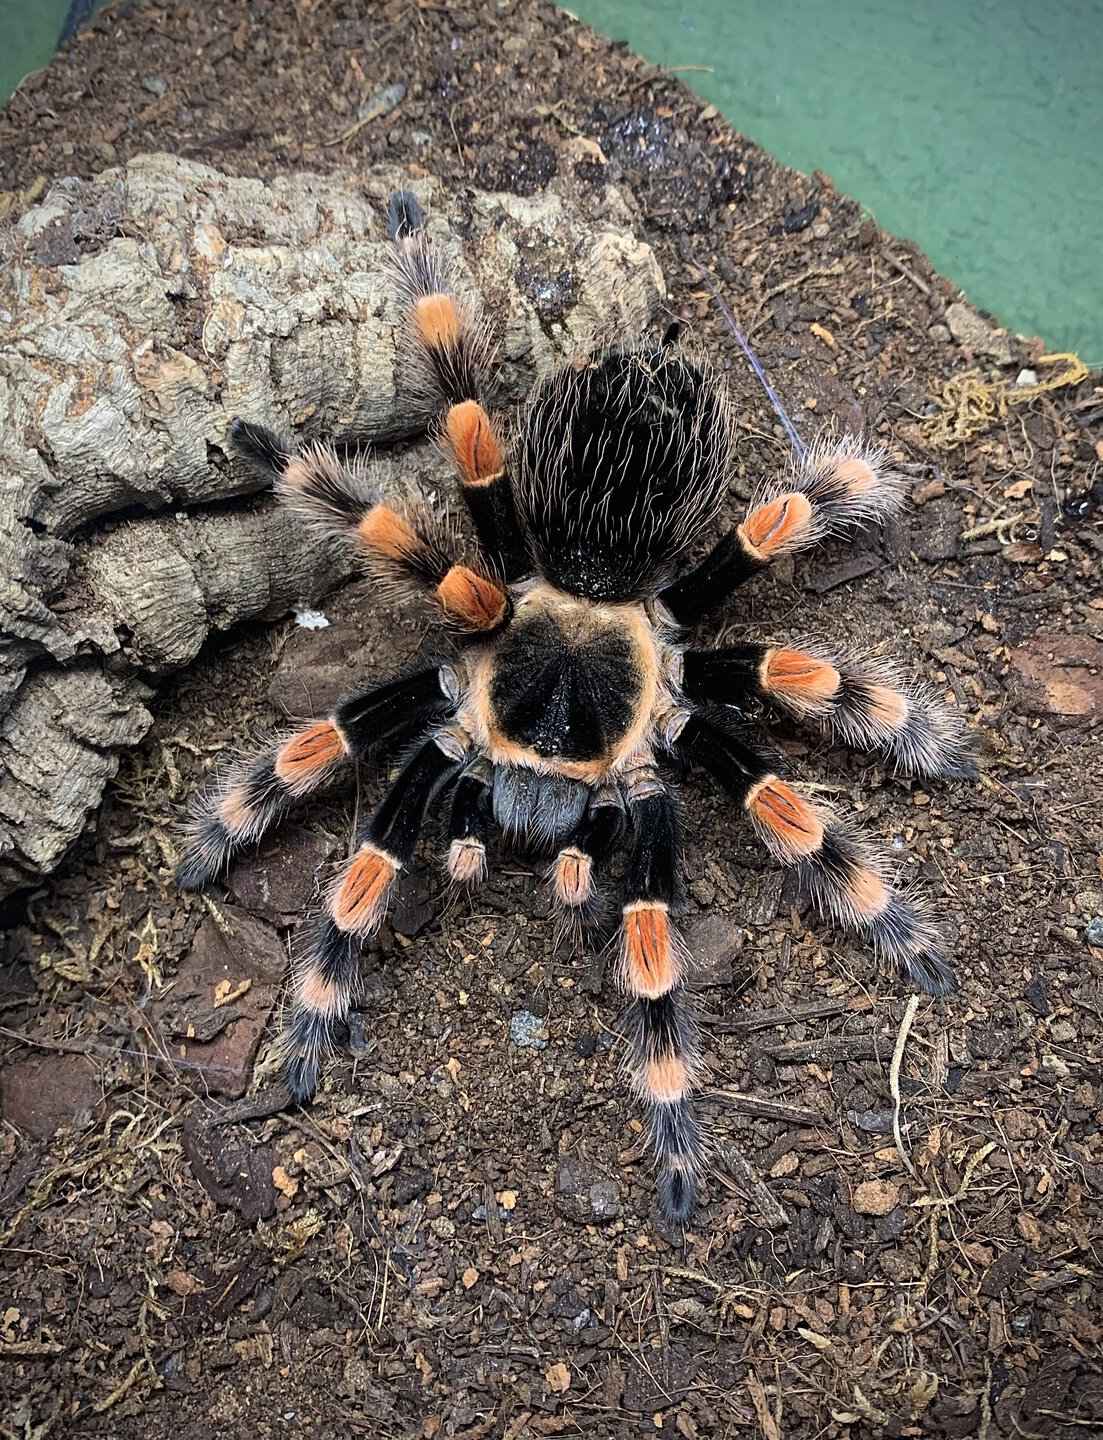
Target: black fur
{"type": "Point", "coordinates": [367, 719]}
{"type": "Point", "coordinates": [676, 1139]}
{"type": "Point", "coordinates": [395, 825]}
{"type": "Point", "coordinates": [470, 813]}
{"type": "Point", "coordinates": [661, 1028]}
{"type": "Point", "coordinates": [717, 742]}
{"type": "Point", "coordinates": [404, 215]}
{"type": "Point", "coordinates": [263, 448]}
{"type": "Point", "coordinates": [899, 933]}
{"type": "Point", "coordinates": [561, 698]}
{"type": "Point", "coordinates": [621, 468]}
{"type": "Point", "coordinates": [727, 565]}
{"type": "Point", "coordinates": [494, 513]}
{"type": "Point", "coordinates": [654, 869]}
{"type": "Point", "coordinates": [209, 850]}
{"type": "Point", "coordinates": [212, 844]}
{"type": "Point", "coordinates": [727, 677]}
{"type": "Point", "coordinates": [601, 828]}
{"type": "Point", "coordinates": [334, 956]}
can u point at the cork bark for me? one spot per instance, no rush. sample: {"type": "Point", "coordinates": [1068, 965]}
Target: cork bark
{"type": "Point", "coordinates": [139, 313]}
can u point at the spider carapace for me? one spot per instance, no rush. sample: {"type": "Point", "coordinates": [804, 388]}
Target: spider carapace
{"type": "Point", "coordinates": [568, 686]}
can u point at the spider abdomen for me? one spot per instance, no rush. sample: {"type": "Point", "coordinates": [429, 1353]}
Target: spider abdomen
{"type": "Point", "coordinates": [620, 470]}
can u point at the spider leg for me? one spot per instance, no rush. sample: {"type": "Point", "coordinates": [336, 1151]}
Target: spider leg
{"type": "Point", "coordinates": [258, 792]}
{"type": "Point", "coordinates": [843, 875]}
{"type": "Point", "coordinates": [455, 357]}
{"type": "Point", "coordinates": [412, 551]}
{"type": "Point", "coordinates": [596, 837]}
{"type": "Point", "coordinates": [833, 485]}
{"type": "Point", "coordinates": [663, 1061]}
{"type": "Point", "coordinates": [864, 704]}
{"type": "Point", "coordinates": [324, 974]}
{"type": "Point", "coordinates": [469, 823]}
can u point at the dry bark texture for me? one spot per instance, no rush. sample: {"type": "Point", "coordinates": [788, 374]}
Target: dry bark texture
{"type": "Point", "coordinates": [139, 313]}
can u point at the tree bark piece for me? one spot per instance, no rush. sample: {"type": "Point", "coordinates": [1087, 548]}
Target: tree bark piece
{"type": "Point", "coordinates": [139, 313]}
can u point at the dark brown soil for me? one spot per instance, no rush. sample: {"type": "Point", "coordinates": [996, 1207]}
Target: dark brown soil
{"type": "Point", "coordinates": [458, 1239]}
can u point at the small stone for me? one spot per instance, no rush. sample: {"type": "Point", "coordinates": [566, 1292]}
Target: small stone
{"type": "Point", "coordinates": [527, 1030]}
{"type": "Point", "coordinates": [939, 334]}
{"type": "Point", "coordinates": [1093, 931]}
{"type": "Point", "coordinates": [155, 84]}
{"type": "Point", "coordinates": [873, 1122]}
{"type": "Point", "coordinates": [932, 489]}
{"type": "Point", "coordinates": [876, 1197]}
{"type": "Point", "coordinates": [558, 1378]}
{"type": "Point", "coordinates": [1035, 992]}
{"type": "Point", "coordinates": [47, 1091]}
{"type": "Point", "coordinates": [605, 1199]}
{"type": "Point", "coordinates": [762, 907]}
{"type": "Point", "coordinates": [977, 334]}
{"type": "Point", "coordinates": [713, 943]}
{"type": "Point", "coordinates": [703, 891]}
{"type": "Point", "coordinates": [1059, 675]}
{"type": "Point", "coordinates": [1000, 1274]}
{"type": "Point", "coordinates": [284, 877]}
{"type": "Point", "coordinates": [218, 1043]}
{"type": "Point", "coordinates": [311, 620]}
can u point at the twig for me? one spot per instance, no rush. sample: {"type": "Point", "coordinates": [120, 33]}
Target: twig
{"type": "Point", "coordinates": [907, 274]}
{"type": "Point", "coordinates": [868, 1046]}
{"type": "Point", "coordinates": [774, 1215]}
{"type": "Point", "coordinates": [894, 1080]}
{"type": "Point", "coordinates": [767, 1019]}
{"type": "Point", "coordinates": [767, 1109]}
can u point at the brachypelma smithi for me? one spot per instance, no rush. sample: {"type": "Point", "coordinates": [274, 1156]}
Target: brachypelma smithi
{"type": "Point", "coordinates": [567, 685]}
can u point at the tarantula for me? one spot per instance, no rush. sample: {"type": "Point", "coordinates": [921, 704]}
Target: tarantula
{"type": "Point", "coordinates": [570, 680]}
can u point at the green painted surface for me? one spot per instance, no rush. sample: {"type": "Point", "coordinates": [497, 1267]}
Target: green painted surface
{"type": "Point", "coordinates": [28, 34]}
{"type": "Point", "coordinates": [973, 127]}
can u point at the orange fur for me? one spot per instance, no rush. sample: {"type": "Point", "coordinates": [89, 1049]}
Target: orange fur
{"type": "Point", "coordinates": [799, 677]}
{"type": "Point", "coordinates": [775, 524]}
{"type": "Point", "coordinates": [359, 903]}
{"type": "Point", "coordinates": [387, 533]}
{"type": "Point", "coordinates": [236, 812]}
{"type": "Point", "coordinates": [855, 475]}
{"type": "Point", "coordinates": [574, 884]}
{"type": "Point", "coordinates": [794, 826]}
{"type": "Point", "coordinates": [470, 601]}
{"type": "Point", "coordinates": [467, 861]}
{"type": "Point", "coordinates": [667, 1079]}
{"type": "Point", "coordinates": [866, 893]}
{"type": "Point", "coordinates": [437, 321]}
{"type": "Point", "coordinates": [472, 443]}
{"type": "Point", "coordinates": [300, 472]}
{"type": "Point", "coordinates": [887, 706]}
{"type": "Point", "coordinates": [316, 994]}
{"type": "Point", "coordinates": [650, 964]}
{"type": "Point", "coordinates": [305, 756]}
